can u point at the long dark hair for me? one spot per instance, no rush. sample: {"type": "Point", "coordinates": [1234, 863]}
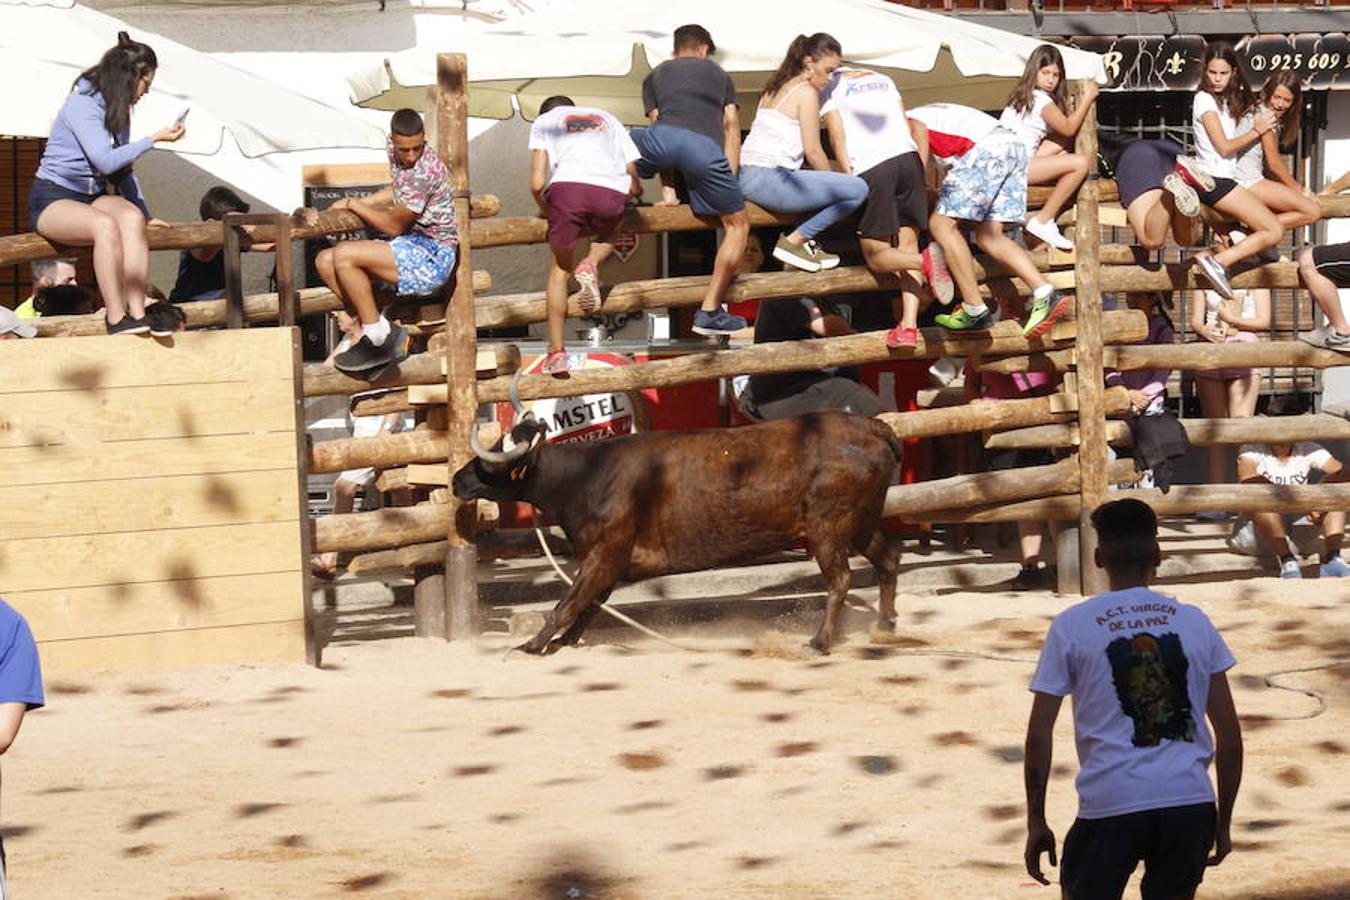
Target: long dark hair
{"type": "Point", "coordinates": [115, 77]}
{"type": "Point", "coordinates": [1238, 97]}
{"type": "Point", "coordinates": [1290, 121]}
{"type": "Point", "coordinates": [1022, 98]}
{"type": "Point", "coordinates": [817, 45]}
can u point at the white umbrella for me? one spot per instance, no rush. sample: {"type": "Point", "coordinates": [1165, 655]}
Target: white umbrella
{"type": "Point", "coordinates": [598, 51]}
{"type": "Point", "coordinates": [44, 48]}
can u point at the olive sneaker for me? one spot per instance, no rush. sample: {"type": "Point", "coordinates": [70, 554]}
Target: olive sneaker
{"type": "Point", "coordinates": [806, 256]}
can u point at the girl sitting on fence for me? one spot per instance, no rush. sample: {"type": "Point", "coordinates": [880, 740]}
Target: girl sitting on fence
{"type": "Point", "coordinates": [85, 192]}
{"type": "Point", "coordinates": [786, 130]}
{"type": "Point", "coordinates": [1261, 169]}
{"type": "Point", "coordinates": [1155, 197]}
{"type": "Point", "coordinates": [1038, 106]}
{"type": "Point", "coordinates": [1221, 101]}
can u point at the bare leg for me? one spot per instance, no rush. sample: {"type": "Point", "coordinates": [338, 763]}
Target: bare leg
{"type": "Point", "coordinates": [1242, 396]}
{"type": "Point", "coordinates": [356, 264]}
{"type": "Point", "coordinates": [880, 256]}
{"type": "Point", "coordinates": [960, 262]}
{"type": "Point", "coordinates": [1029, 542]}
{"type": "Point", "coordinates": [1066, 171]}
{"type": "Point", "coordinates": [1271, 528]}
{"type": "Point", "coordinates": [1214, 402]}
{"type": "Point", "coordinates": [1333, 533]}
{"type": "Point", "coordinates": [1291, 208]}
{"type": "Point", "coordinates": [1149, 218]}
{"type": "Point", "coordinates": [1324, 292]}
{"type": "Point", "coordinates": [135, 250]}
{"type": "Point", "coordinates": [555, 294]}
{"type": "Point", "coordinates": [344, 501]}
{"type": "Point", "coordinates": [1241, 205]}
{"type": "Point", "coordinates": [737, 227]}
{"type": "Point", "coordinates": [910, 280]}
{"type": "Point", "coordinates": [328, 273]}
{"type": "Point", "coordinates": [81, 225]}
{"type": "Point", "coordinates": [992, 240]}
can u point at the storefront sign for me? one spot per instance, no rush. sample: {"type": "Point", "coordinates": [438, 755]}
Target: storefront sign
{"type": "Point", "coordinates": [591, 417]}
{"type": "Point", "coordinates": [625, 245]}
{"type": "Point", "coordinates": [1173, 63]}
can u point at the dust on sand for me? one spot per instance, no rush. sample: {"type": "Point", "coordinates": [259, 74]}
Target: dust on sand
{"type": "Point", "coordinates": [409, 768]}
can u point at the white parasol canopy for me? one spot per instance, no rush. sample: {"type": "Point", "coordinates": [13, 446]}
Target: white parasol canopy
{"type": "Point", "coordinates": [43, 48]}
{"type": "Point", "coordinates": [598, 52]}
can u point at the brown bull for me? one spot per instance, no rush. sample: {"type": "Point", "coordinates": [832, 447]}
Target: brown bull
{"type": "Point", "coordinates": [662, 502]}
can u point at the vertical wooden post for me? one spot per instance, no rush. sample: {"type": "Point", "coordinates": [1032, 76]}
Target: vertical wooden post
{"type": "Point", "coordinates": [452, 143]}
{"type": "Point", "coordinates": [1091, 388]}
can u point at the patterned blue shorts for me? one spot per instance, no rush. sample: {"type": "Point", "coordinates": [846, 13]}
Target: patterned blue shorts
{"type": "Point", "coordinates": [989, 183]}
{"type": "Point", "coordinates": [424, 264]}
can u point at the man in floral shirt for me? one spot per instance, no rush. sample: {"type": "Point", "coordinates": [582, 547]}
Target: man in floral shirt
{"type": "Point", "coordinates": [417, 212]}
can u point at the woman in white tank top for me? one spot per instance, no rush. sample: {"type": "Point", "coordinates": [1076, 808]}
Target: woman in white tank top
{"type": "Point", "coordinates": [785, 132]}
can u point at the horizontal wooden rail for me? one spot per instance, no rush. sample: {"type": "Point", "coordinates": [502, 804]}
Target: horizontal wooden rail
{"type": "Point", "coordinates": [1193, 356]}
{"type": "Point", "coordinates": [322, 380]}
{"type": "Point", "coordinates": [1201, 432]}
{"type": "Point", "coordinates": [912, 501]}
{"type": "Point", "coordinates": [30, 246]}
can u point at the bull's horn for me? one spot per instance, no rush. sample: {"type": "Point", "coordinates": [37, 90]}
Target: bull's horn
{"type": "Point", "coordinates": [500, 457]}
{"type": "Point", "coordinates": [514, 393]}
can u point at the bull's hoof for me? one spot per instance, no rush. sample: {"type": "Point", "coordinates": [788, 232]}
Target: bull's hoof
{"type": "Point", "coordinates": [815, 648]}
{"type": "Point", "coordinates": [533, 647]}
{"type": "Point", "coordinates": [885, 626]}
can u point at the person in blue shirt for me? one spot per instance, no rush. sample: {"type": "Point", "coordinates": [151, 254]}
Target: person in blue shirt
{"type": "Point", "coordinates": [85, 192]}
{"type": "Point", "coordinates": [20, 685]}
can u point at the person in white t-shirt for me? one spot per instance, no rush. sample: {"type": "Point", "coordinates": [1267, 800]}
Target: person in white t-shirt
{"type": "Point", "coordinates": [1037, 106]}
{"type": "Point", "coordinates": [1144, 671]}
{"type": "Point", "coordinates": [1222, 100]}
{"type": "Point", "coordinates": [582, 172]}
{"type": "Point", "coordinates": [1292, 464]}
{"type": "Point", "coordinates": [872, 138]}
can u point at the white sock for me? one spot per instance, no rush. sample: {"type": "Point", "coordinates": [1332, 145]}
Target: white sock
{"type": "Point", "coordinates": [1042, 292]}
{"type": "Point", "coordinates": [975, 311]}
{"type": "Point", "coordinates": [377, 331]}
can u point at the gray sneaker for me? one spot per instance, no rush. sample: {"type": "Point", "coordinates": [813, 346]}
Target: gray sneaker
{"type": "Point", "coordinates": [808, 257]}
{"type": "Point", "coordinates": [1326, 339]}
{"type": "Point", "coordinates": [1214, 272]}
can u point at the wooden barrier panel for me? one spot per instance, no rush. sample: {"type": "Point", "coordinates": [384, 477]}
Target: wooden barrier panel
{"type": "Point", "coordinates": [150, 498]}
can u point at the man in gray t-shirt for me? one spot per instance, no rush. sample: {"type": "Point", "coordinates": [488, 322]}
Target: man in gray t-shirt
{"type": "Point", "coordinates": [696, 131]}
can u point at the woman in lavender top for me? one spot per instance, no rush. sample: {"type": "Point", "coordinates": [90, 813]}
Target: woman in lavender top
{"type": "Point", "coordinates": [85, 192]}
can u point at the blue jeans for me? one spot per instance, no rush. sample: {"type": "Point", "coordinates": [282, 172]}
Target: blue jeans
{"type": "Point", "coordinates": [833, 194]}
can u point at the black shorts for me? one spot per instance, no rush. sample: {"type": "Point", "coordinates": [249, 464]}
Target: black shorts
{"type": "Point", "coordinates": [1173, 844]}
{"type": "Point", "coordinates": [1332, 261]}
{"type": "Point", "coordinates": [1222, 187]}
{"type": "Point", "coordinates": [896, 197]}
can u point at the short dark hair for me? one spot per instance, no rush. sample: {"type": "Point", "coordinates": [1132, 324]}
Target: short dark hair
{"type": "Point", "coordinates": [1127, 534]}
{"type": "Point", "coordinates": [63, 300]}
{"type": "Point", "coordinates": [221, 200]}
{"type": "Point", "coordinates": [406, 123]}
{"type": "Point", "coordinates": [165, 316]}
{"type": "Point", "coordinates": [691, 37]}
{"type": "Point", "coordinates": [554, 102]}
{"type": "Point", "coordinates": [1286, 405]}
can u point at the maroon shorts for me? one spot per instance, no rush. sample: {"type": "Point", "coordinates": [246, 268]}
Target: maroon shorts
{"type": "Point", "coordinates": [574, 208]}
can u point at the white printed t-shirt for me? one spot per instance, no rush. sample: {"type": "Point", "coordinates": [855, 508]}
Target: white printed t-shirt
{"type": "Point", "coordinates": [1206, 154]}
{"type": "Point", "coordinates": [873, 115]}
{"type": "Point", "coordinates": [1029, 126]}
{"type": "Point", "coordinates": [584, 146]}
{"type": "Point", "coordinates": [952, 128]}
{"type": "Point", "coordinates": [1138, 665]}
{"type": "Point", "coordinates": [1294, 469]}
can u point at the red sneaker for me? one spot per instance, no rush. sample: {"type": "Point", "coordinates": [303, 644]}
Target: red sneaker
{"type": "Point", "coordinates": [935, 271]}
{"type": "Point", "coordinates": [556, 364]}
{"type": "Point", "coordinates": [899, 337]}
{"type": "Point", "coordinates": [588, 298]}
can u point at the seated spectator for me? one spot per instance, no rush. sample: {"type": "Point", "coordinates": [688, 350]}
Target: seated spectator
{"type": "Point", "coordinates": [983, 386]}
{"type": "Point", "coordinates": [1292, 464]}
{"type": "Point", "coordinates": [1158, 438]}
{"type": "Point", "coordinates": [201, 270]}
{"type": "Point", "coordinates": [1324, 270]}
{"type": "Point", "coordinates": [1155, 197]}
{"type": "Point", "coordinates": [785, 394]}
{"type": "Point", "coordinates": [12, 327]}
{"type": "Point", "coordinates": [752, 260]}
{"type": "Point", "coordinates": [46, 273]}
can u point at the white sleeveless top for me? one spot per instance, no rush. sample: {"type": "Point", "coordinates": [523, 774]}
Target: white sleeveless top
{"type": "Point", "coordinates": [1213, 300]}
{"type": "Point", "coordinates": [775, 139]}
{"type": "Point", "coordinates": [1251, 162]}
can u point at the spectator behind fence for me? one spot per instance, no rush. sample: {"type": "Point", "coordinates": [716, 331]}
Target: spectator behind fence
{"type": "Point", "coordinates": [417, 212]}
{"type": "Point", "coordinates": [1040, 104]}
{"type": "Point", "coordinates": [1156, 436]}
{"type": "Point", "coordinates": [201, 270]}
{"type": "Point", "coordinates": [582, 174]}
{"type": "Point", "coordinates": [1230, 391]}
{"type": "Point", "coordinates": [63, 300]}
{"type": "Point", "coordinates": [1144, 671]}
{"type": "Point", "coordinates": [46, 273]}
{"type": "Point", "coordinates": [696, 131]}
{"type": "Point", "coordinates": [88, 152]}
{"type": "Point", "coordinates": [786, 132]}
{"type": "Point", "coordinates": [1324, 271]}
{"type": "Point", "coordinates": [873, 139]}
{"type": "Point", "coordinates": [784, 394]}
{"type": "Point", "coordinates": [1292, 464]}
{"type": "Point", "coordinates": [12, 327]}
{"type": "Point", "coordinates": [20, 684]}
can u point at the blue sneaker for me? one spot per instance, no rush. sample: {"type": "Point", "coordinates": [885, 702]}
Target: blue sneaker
{"type": "Point", "coordinates": [1290, 569]}
{"type": "Point", "coordinates": [717, 322]}
{"type": "Point", "coordinates": [1334, 568]}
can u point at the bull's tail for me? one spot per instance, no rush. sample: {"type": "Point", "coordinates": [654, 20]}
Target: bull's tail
{"type": "Point", "coordinates": [887, 434]}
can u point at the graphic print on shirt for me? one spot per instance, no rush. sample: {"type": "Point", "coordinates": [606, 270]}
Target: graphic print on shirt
{"type": "Point", "coordinates": [1149, 673]}
{"type": "Point", "coordinates": [581, 122]}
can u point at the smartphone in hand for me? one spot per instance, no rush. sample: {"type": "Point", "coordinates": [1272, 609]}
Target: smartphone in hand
{"type": "Point", "coordinates": [182, 116]}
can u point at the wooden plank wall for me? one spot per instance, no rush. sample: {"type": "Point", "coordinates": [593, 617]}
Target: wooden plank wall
{"type": "Point", "coordinates": [150, 498]}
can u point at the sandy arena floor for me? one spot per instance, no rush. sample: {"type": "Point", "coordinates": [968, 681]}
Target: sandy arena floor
{"type": "Point", "coordinates": [411, 768]}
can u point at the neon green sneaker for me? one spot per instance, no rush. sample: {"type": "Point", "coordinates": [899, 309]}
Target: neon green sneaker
{"type": "Point", "coordinates": [960, 320]}
{"type": "Point", "coordinates": [1045, 313]}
